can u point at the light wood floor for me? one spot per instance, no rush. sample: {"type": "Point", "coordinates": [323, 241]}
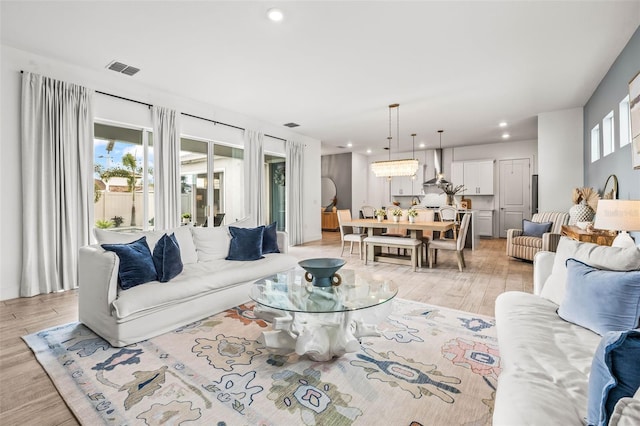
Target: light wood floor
{"type": "Point", "coordinates": [28, 397]}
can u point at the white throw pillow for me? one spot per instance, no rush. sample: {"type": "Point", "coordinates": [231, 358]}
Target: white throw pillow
{"type": "Point", "coordinates": [601, 257]}
{"type": "Point", "coordinates": [182, 233]}
{"type": "Point", "coordinates": [104, 236]}
{"type": "Point", "coordinates": [211, 243]}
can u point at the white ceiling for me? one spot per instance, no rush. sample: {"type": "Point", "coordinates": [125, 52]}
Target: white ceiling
{"type": "Point", "coordinates": [335, 66]}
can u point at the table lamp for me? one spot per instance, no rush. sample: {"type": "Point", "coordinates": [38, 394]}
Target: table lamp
{"type": "Point", "coordinates": [619, 215]}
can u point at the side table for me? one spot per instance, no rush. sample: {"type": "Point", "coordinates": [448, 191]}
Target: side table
{"type": "Point", "coordinates": [601, 237]}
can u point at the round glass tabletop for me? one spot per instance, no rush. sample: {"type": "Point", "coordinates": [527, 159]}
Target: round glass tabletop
{"type": "Point", "coordinates": [289, 291]}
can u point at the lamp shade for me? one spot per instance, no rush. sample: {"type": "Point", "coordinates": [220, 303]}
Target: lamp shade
{"type": "Point", "coordinates": [618, 215]}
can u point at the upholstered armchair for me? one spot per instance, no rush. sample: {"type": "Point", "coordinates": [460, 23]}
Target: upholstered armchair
{"type": "Point", "coordinates": [526, 246]}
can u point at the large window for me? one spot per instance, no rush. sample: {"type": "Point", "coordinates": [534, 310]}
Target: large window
{"type": "Point", "coordinates": [123, 178]}
{"type": "Point", "coordinates": [625, 122]}
{"type": "Point", "coordinates": [608, 138]}
{"type": "Point", "coordinates": [595, 143]}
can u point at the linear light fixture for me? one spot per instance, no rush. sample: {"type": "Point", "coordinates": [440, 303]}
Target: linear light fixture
{"type": "Point", "coordinates": [391, 168]}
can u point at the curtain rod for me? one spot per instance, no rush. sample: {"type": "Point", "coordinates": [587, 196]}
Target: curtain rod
{"type": "Point", "coordinates": [124, 99]}
{"type": "Point", "coordinates": [228, 125]}
{"type": "Point", "coordinates": [183, 113]}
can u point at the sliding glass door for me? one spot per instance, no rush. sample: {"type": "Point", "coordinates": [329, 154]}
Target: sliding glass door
{"type": "Point", "coordinates": [212, 177]}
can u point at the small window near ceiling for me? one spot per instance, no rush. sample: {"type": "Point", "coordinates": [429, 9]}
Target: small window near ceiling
{"type": "Point", "coordinates": [595, 143]}
{"type": "Point", "coordinates": [625, 122]}
{"type": "Point", "coordinates": [607, 134]}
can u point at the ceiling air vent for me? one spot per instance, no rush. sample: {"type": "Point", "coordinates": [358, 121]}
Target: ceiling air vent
{"type": "Point", "coordinates": [122, 68]}
{"type": "Point", "coordinates": [292, 125]}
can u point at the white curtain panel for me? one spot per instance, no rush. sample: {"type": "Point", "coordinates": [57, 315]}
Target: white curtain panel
{"type": "Point", "coordinates": [57, 182]}
{"type": "Point", "coordinates": [294, 176]}
{"type": "Point", "coordinates": [254, 176]}
{"type": "Point", "coordinates": [166, 153]}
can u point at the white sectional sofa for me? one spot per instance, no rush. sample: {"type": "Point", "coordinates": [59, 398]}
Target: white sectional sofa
{"type": "Point", "coordinates": [546, 361]}
{"type": "Point", "coordinates": [208, 284]}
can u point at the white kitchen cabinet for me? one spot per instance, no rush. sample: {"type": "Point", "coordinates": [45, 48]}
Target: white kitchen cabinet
{"type": "Point", "coordinates": [476, 176]}
{"type": "Point", "coordinates": [484, 223]}
{"type": "Point", "coordinates": [404, 185]}
{"type": "Point", "coordinates": [457, 173]}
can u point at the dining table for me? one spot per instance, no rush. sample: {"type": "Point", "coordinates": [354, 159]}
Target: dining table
{"type": "Point", "coordinates": [415, 228]}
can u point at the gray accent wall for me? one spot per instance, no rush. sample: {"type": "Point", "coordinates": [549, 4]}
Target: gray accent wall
{"type": "Point", "coordinates": [607, 96]}
{"type": "Point", "coordinates": [338, 168]}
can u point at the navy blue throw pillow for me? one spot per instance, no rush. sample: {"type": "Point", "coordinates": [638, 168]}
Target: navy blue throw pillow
{"type": "Point", "coordinates": [166, 258]}
{"type": "Point", "coordinates": [270, 239]}
{"type": "Point", "coordinates": [136, 263]}
{"type": "Point", "coordinates": [614, 374]}
{"type": "Point", "coordinates": [535, 229]}
{"type": "Point", "coordinates": [246, 243]}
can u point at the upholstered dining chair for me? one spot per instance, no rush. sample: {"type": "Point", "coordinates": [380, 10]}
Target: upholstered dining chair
{"type": "Point", "coordinates": [347, 233]}
{"type": "Point", "coordinates": [543, 235]}
{"type": "Point", "coordinates": [454, 244]}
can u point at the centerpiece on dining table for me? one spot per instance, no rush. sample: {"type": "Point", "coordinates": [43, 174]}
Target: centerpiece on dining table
{"type": "Point", "coordinates": [412, 213]}
{"type": "Point", "coordinates": [397, 214]}
{"type": "Point", "coordinates": [380, 214]}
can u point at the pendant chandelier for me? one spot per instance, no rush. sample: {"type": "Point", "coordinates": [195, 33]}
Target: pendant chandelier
{"type": "Point", "coordinates": [390, 168]}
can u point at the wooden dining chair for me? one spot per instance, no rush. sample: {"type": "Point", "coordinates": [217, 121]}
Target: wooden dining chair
{"type": "Point", "coordinates": [450, 214]}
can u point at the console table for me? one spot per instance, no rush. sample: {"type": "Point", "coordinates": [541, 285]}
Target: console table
{"type": "Point", "coordinates": [601, 237]}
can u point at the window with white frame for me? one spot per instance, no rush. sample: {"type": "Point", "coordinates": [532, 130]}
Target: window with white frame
{"type": "Point", "coordinates": [625, 122]}
{"type": "Point", "coordinates": [595, 143]}
{"type": "Point", "coordinates": [608, 137]}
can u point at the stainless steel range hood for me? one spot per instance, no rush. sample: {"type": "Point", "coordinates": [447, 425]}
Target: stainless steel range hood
{"type": "Point", "coordinates": [438, 179]}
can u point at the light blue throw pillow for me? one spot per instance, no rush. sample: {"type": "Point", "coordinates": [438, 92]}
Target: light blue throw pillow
{"type": "Point", "coordinates": [136, 263]}
{"type": "Point", "coordinates": [535, 229]}
{"type": "Point", "coordinates": [615, 374]}
{"type": "Point", "coordinates": [601, 300]}
{"type": "Point", "coordinates": [246, 243]}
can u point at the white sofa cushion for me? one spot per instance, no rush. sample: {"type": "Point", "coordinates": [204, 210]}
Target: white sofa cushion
{"type": "Point", "coordinates": [194, 281]}
{"type": "Point", "coordinates": [182, 233]}
{"type": "Point", "coordinates": [601, 257]}
{"type": "Point", "coordinates": [211, 243]}
{"type": "Point", "coordinates": [546, 363]}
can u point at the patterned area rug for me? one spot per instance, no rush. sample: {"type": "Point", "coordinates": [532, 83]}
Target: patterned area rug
{"type": "Point", "coordinates": [431, 366]}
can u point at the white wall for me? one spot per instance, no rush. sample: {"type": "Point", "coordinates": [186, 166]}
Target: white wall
{"type": "Point", "coordinates": [560, 158]}
{"type": "Point", "coordinates": [359, 181]}
{"type": "Point", "coordinates": [111, 109]}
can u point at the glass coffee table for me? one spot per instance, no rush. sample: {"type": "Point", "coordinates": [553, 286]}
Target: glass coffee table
{"type": "Point", "coordinates": [321, 322]}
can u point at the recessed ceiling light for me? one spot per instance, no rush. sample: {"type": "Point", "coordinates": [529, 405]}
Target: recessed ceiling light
{"type": "Point", "coordinates": [422, 145]}
{"type": "Point", "coordinates": [369, 151]}
{"type": "Point", "coordinates": [505, 136]}
{"type": "Point", "coordinates": [502, 124]}
{"type": "Point", "coordinates": [349, 144]}
{"type": "Point", "coordinates": [275, 14]}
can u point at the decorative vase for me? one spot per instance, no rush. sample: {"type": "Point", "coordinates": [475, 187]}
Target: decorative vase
{"type": "Point", "coordinates": [380, 218]}
{"type": "Point", "coordinates": [450, 199]}
{"type": "Point", "coordinates": [321, 272]}
{"type": "Point", "coordinates": [396, 219]}
{"type": "Point", "coordinates": [412, 219]}
{"type": "Point", "coordinates": [580, 212]}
